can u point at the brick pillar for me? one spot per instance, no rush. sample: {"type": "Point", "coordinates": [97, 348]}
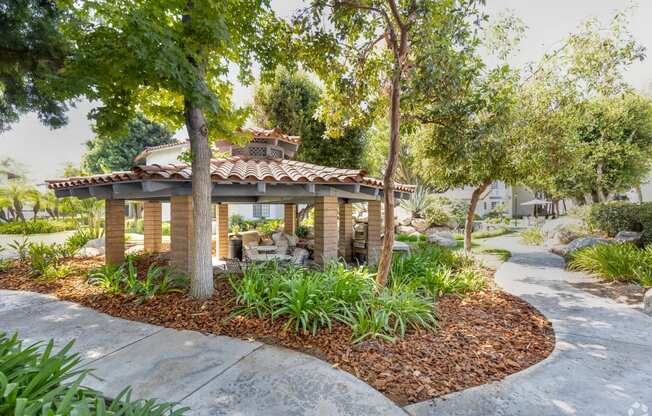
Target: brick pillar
{"type": "Point", "coordinates": [222, 219]}
{"type": "Point", "coordinates": [114, 231]}
{"type": "Point", "coordinates": [346, 231]}
{"type": "Point", "coordinates": [374, 229]}
{"type": "Point", "coordinates": [290, 219]}
{"type": "Point", "coordinates": [325, 229]}
{"type": "Point", "coordinates": [181, 232]}
{"type": "Point", "coordinates": [153, 226]}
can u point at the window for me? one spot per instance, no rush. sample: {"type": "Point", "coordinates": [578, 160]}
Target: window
{"type": "Point", "coordinates": [495, 185]}
{"type": "Point", "coordinates": [494, 204]}
{"type": "Point", "coordinates": [261, 210]}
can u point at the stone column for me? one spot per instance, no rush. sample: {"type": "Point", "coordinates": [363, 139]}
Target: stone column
{"type": "Point", "coordinates": [290, 219]}
{"type": "Point", "coordinates": [325, 229]}
{"type": "Point", "coordinates": [222, 220]}
{"type": "Point", "coordinates": [181, 232]}
{"type": "Point", "coordinates": [153, 226]}
{"type": "Point", "coordinates": [374, 229]}
{"type": "Point", "coordinates": [114, 231]}
{"type": "Point", "coordinates": [346, 231]}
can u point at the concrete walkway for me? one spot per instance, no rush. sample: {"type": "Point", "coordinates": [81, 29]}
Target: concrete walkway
{"type": "Point", "coordinates": [602, 362]}
{"type": "Point", "coordinates": [213, 375]}
{"type": "Point", "coordinates": [6, 239]}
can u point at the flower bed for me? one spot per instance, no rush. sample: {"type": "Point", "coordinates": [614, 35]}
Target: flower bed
{"type": "Point", "coordinates": [479, 337]}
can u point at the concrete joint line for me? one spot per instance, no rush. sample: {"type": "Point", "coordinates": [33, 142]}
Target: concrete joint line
{"type": "Point", "coordinates": [614, 341]}
{"type": "Point", "coordinates": [221, 372]}
{"type": "Point", "coordinates": [120, 349]}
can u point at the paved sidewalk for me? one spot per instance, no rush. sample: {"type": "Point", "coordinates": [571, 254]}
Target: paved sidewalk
{"type": "Point", "coordinates": [214, 375]}
{"type": "Point", "coordinates": [602, 362]}
{"type": "Point", "coordinates": [6, 239]}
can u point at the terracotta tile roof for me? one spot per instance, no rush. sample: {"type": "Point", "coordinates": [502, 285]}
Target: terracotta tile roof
{"type": "Point", "coordinates": [274, 133]}
{"type": "Point", "coordinates": [146, 151]}
{"type": "Point", "coordinates": [235, 168]}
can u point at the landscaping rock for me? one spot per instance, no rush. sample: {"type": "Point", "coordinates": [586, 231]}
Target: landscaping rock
{"type": "Point", "coordinates": [401, 247]}
{"type": "Point", "coordinates": [89, 252]}
{"type": "Point", "coordinates": [582, 242]}
{"type": "Point", "coordinates": [438, 230]}
{"type": "Point", "coordinates": [444, 234]}
{"type": "Point", "coordinates": [566, 236]}
{"type": "Point", "coordinates": [137, 248]}
{"type": "Point", "coordinates": [442, 241]}
{"type": "Point", "coordinates": [551, 227]}
{"type": "Point", "coordinates": [405, 221]}
{"type": "Point", "coordinates": [647, 302]}
{"type": "Point", "coordinates": [628, 237]}
{"type": "Point", "coordinates": [419, 224]}
{"type": "Point", "coordinates": [405, 229]}
{"type": "Point", "coordinates": [97, 243]}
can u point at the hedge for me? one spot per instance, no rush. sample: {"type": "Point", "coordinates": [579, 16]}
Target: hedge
{"type": "Point", "coordinates": [613, 217]}
{"type": "Point", "coordinates": [38, 226]}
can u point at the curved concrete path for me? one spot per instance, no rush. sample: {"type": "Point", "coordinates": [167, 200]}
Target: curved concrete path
{"type": "Point", "coordinates": [214, 375]}
{"type": "Point", "coordinates": [602, 362]}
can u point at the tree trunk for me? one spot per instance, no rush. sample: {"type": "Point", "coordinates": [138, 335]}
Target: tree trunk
{"type": "Point", "coordinates": [385, 260]}
{"type": "Point", "coordinates": [599, 178]}
{"type": "Point", "coordinates": [201, 265]}
{"type": "Point", "coordinates": [468, 226]}
{"type": "Point", "coordinates": [639, 193]}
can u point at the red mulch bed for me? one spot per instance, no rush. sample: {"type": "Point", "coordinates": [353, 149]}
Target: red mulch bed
{"type": "Point", "coordinates": [481, 338]}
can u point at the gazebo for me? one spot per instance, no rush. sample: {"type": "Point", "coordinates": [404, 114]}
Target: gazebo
{"type": "Point", "coordinates": [260, 172]}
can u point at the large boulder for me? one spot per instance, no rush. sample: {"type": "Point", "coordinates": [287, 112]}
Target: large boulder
{"type": "Point", "coordinates": [565, 236]}
{"type": "Point", "coordinates": [405, 229]}
{"type": "Point", "coordinates": [419, 224]}
{"type": "Point", "coordinates": [92, 248]}
{"type": "Point", "coordinates": [135, 249]}
{"type": "Point", "coordinates": [442, 241]}
{"type": "Point", "coordinates": [438, 230]}
{"type": "Point", "coordinates": [444, 234]}
{"type": "Point", "coordinates": [580, 243]}
{"type": "Point", "coordinates": [89, 252]}
{"type": "Point", "coordinates": [647, 302]}
{"type": "Point", "coordinates": [551, 227]}
{"type": "Point", "coordinates": [401, 247]}
{"type": "Point", "coordinates": [629, 237]}
{"type": "Point", "coordinates": [405, 221]}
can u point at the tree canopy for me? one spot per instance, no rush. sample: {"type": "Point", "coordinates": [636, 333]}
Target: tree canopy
{"type": "Point", "coordinates": [290, 101]}
{"type": "Point", "coordinates": [33, 49]}
{"type": "Point", "coordinates": [106, 154]}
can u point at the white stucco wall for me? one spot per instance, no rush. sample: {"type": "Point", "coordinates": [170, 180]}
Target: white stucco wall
{"type": "Point", "coordinates": [166, 155]}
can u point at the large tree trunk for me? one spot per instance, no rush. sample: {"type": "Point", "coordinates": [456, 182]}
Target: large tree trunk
{"type": "Point", "coordinates": [639, 193]}
{"type": "Point", "coordinates": [385, 260]}
{"type": "Point", "coordinates": [599, 179]}
{"type": "Point", "coordinates": [201, 265]}
{"type": "Point", "coordinates": [468, 226]}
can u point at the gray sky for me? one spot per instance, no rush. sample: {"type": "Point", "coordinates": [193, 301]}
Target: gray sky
{"type": "Point", "coordinates": [44, 152]}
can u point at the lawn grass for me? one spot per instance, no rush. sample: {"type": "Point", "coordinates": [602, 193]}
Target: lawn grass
{"type": "Point", "coordinates": [485, 234]}
{"type": "Point", "coordinates": [501, 253]}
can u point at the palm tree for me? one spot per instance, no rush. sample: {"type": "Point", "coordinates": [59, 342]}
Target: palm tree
{"type": "Point", "coordinates": [17, 191]}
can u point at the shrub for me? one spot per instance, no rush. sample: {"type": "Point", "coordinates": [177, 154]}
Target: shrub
{"type": "Point", "coordinates": [79, 239]}
{"type": "Point", "coordinates": [418, 202]}
{"type": "Point", "coordinates": [21, 248]}
{"type": "Point", "coordinates": [532, 236]}
{"type": "Point", "coordinates": [37, 226]}
{"type": "Point", "coordinates": [409, 238]}
{"type": "Point", "coordinates": [36, 380]}
{"type": "Point", "coordinates": [303, 231]}
{"type": "Point", "coordinates": [612, 217]}
{"type": "Point", "coordinates": [135, 225]}
{"type": "Point", "coordinates": [125, 280]}
{"type": "Point", "coordinates": [436, 215]}
{"type": "Point", "coordinates": [166, 227]}
{"type": "Point", "coordinates": [268, 227]}
{"type": "Point", "coordinates": [615, 262]}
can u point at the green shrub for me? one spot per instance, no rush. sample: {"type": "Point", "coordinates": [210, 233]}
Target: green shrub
{"type": "Point", "coordinates": [409, 238]}
{"type": "Point", "coordinates": [124, 279]}
{"type": "Point", "coordinates": [21, 247]}
{"type": "Point", "coordinates": [303, 231]}
{"type": "Point", "coordinates": [615, 262]}
{"type": "Point", "coordinates": [612, 217]}
{"type": "Point", "coordinates": [37, 380]}
{"type": "Point", "coordinates": [42, 257]}
{"type": "Point", "coordinates": [166, 227]}
{"type": "Point", "coordinates": [533, 236]}
{"type": "Point", "coordinates": [309, 300]}
{"type": "Point", "coordinates": [436, 215]}
{"type": "Point", "coordinates": [268, 227]}
{"type": "Point", "coordinates": [135, 225]}
{"type": "Point", "coordinates": [37, 226]}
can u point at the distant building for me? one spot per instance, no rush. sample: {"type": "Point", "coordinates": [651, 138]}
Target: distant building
{"type": "Point", "coordinates": [498, 194]}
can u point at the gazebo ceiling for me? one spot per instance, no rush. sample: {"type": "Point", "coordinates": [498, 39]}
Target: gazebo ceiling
{"type": "Point", "coordinates": [236, 179]}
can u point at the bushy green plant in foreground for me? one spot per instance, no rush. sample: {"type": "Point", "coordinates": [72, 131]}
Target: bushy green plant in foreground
{"type": "Point", "coordinates": [309, 300]}
{"type": "Point", "coordinates": [37, 226]}
{"type": "Point", "coordinates": [124, 279]}
{"type": "Point", "coordinates": [37, 380]}
{"type": "Point", "coordinates": [532, 236]}
{"type": "Point", "coordinates": [615, 262]}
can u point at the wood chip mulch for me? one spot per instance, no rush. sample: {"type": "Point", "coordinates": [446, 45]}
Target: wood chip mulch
{"type": "Point", "coordinates": [481, 338]}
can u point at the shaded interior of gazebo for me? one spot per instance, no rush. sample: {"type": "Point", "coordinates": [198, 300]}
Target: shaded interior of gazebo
{"type": "Point", "coordinates": [260, 172]}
